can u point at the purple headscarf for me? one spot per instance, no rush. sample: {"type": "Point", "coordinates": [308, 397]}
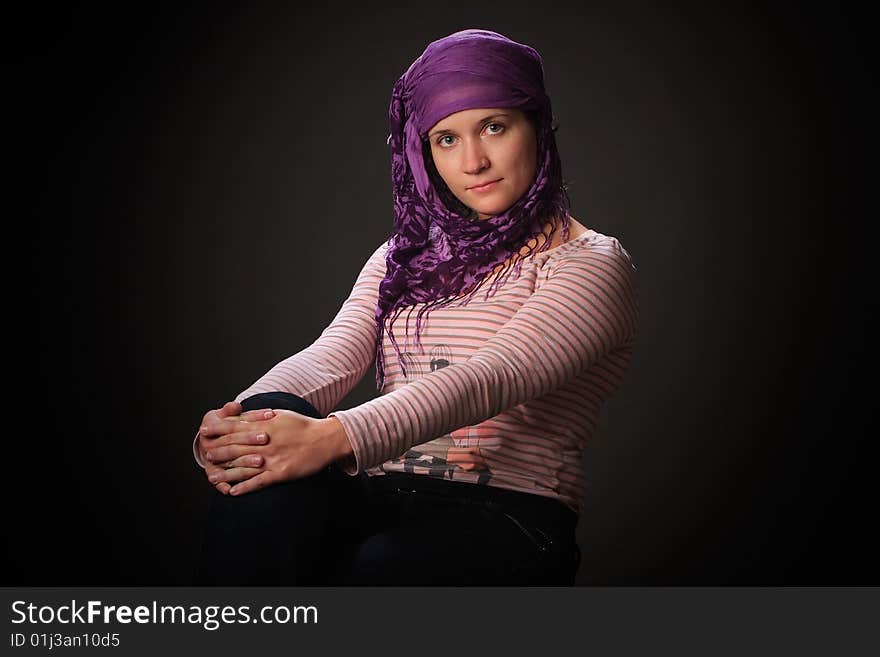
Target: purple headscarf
{"type": "Point", "coordinates": [440, 251]}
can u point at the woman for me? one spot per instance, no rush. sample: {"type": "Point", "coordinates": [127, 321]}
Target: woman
{"type": "Point", "coordinates": [466, 469]}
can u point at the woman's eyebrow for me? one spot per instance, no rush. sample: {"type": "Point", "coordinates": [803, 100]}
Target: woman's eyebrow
{"type": "Point", "coordinates": [443, 131]}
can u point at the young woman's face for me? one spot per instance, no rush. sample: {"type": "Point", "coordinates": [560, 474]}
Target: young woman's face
{"type": "Point", "coordinates": [487, 157]}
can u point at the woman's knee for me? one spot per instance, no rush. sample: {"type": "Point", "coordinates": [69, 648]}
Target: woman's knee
{"type": "Point", "coordinates": [279, 399]}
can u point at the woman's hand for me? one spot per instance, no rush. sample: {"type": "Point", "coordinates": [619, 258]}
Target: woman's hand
{"type": "Point", "coordinates": [224, 420]}
{"type": "Point", "coordinates": [295, 446]}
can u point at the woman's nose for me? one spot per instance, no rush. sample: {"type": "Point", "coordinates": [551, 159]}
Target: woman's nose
{"type": "Point", "coordinates": [475, 159]}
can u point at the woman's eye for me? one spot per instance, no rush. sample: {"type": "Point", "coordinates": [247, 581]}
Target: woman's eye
{"type": "Point", "coordinates": [445, 140]}
{"type": "Point", "coordinates": [494, 128]}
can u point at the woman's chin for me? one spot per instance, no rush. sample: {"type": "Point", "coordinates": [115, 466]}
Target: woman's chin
{"type": "Point", "coordinates": [489, 212]}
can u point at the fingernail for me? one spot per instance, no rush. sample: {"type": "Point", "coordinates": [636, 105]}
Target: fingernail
{"type": "Point", "coordinates": [203, 431]}
{"type": "Point", "coordinates": [261, 437]}
{"type": "Point", "coordinates": [213, 478]}
{"type": "Point", "coordinates": [257, 460]}
{"type": "Point", "coordinates": [269, 414]}
{"type": "Point", "coordinates": [209, 456]}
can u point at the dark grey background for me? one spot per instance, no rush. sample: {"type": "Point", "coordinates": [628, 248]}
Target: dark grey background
{"type": "Point", "coordinates": [201, 185]}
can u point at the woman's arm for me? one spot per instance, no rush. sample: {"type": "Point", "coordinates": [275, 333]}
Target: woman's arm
{"type": "Point", "coordinates": [587, 308]}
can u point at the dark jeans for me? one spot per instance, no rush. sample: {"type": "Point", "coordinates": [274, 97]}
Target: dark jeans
{"type": "Point", "coordinates": [389, 530]}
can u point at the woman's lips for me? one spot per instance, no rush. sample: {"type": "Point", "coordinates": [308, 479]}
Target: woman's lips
{"type": "Point", "coordinates": [484, 188]}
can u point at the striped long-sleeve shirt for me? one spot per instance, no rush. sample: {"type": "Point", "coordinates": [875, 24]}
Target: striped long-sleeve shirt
{"type": "Point", "coordinates": [504, 391]}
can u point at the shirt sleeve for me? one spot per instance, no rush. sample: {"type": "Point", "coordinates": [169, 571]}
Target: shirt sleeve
{"type": "Point", "coordinates": [586, 308]}
{"type": "Point", "coordinates": [327, 370]}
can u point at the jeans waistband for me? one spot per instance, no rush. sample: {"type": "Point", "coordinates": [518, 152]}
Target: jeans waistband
{"type": "Point", "coordinates": [537, 509]}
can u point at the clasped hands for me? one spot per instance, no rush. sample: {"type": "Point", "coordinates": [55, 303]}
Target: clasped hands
{"type": "Point", "coordinates": [264, 447]}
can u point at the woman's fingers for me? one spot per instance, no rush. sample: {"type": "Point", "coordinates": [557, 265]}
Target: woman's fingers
{"type": "Point", "coordinates": [253, 483]}
{"type": "Point", "coordinates": [257, 415]}
{"type": "Point", "coordinates": [239, 438]}
{"type": "Point", "coordinates": [243, 467]}
{"type": "Point", "coordinates": [248, 461]}
{"type": "Point", "coordinates": [231, 408]}
{"type": "Point", "coordinates": [215, 420]}
{"type": "Point", "coordinates": [221, 486]}
{"type": "Point", "coordinates": [208, 445]}
{"type": "Point", "coordinates": [228, 452]}
{"type": "Point", "coordinates": [220, 426]}
{"type": "Point", "coordinates": [233, 475]}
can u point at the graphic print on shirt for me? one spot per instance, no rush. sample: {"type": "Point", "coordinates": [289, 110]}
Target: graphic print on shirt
{"type": "Point", "coordinates": [448, 455]}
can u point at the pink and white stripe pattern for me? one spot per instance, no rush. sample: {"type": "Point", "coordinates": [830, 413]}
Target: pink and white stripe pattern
{"type": "Point", "coordinates": [504, 391]}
